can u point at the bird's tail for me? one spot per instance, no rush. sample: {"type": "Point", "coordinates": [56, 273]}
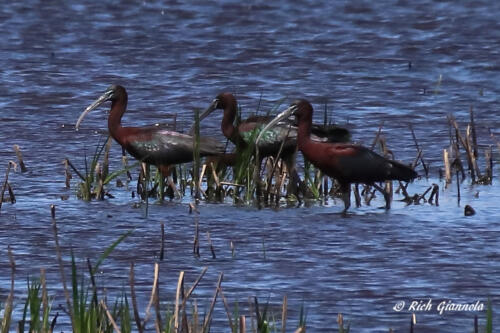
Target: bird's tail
{"type": "Point", "coordinates": [400, 171]}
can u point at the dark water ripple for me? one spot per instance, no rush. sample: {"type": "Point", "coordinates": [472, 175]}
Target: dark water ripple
{"type": "Point", "coordinates": [371, 63]}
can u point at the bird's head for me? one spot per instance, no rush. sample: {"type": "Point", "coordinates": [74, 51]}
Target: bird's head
{"type": "Point", "coordinates": [222, 101]}
{"type": "Point", "coordinates": [302, 109]}
{"type": "Point", "coordinates": [112, 94]}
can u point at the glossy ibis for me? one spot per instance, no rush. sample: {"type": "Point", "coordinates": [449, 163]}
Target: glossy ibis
{"type": "Point", "coordinates": [151, 145]}
{"type": "Point", "coordinates": [272, 141]}
{"type": "Point", "coordinates": [242, 135]}
{"type": "Point", "coordinates": [346, 162]}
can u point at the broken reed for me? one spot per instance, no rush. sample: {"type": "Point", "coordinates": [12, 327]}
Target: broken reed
{"type": "Point", "coordinates": [452, 156]}
{"type": "Point", "coordinates": [7, 186]}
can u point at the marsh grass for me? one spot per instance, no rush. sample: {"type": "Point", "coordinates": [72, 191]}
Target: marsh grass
{"type": "Point", "coordinates": [94, 311]}
{"type": "Point", "coordinates": [39, 308]}
{"type": "Point", "coordinates": [96, 173]}
{"type": "Point", "coordinates": [467, 141]}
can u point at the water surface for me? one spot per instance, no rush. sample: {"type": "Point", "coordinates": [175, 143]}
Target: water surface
{"type": "Point", "coordinates": [370, 63]}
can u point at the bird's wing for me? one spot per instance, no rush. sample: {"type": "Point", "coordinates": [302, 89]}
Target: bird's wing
{"type": "Point", "coordinates": [359, 164]}
{"type": "Point", "coordinates": [250, 131]}
{"type": "Point", "coordinates": [169, 147]}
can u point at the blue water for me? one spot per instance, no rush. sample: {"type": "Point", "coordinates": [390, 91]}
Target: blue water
{"type": "Point", "coordinates": [371, 63]}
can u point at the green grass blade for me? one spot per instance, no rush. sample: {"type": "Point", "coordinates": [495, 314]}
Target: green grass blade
{"type": "Point", "coordinates": [489, 318]}
{"type": "Point", "coordinates": [74, 282]}
{"type": "Point", "coordinates": [117, 173]}
{"type": "Point", "coordinates": [110, 249]}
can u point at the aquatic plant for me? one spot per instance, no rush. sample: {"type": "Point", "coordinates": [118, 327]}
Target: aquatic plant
{"type": "Point", "coordinates": [96, 174]}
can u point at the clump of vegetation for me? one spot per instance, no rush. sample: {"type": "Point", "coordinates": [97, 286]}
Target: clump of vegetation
{"type": "Point", "coordinates": [96, 173]}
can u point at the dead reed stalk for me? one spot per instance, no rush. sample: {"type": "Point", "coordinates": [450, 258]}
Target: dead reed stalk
{"type": "Point", "coordinates": [67, 173]}
{"type": "Point", "coordinates": [208, 318]}
{"type": "Point", "coordinates": [413, 322]}
{"type": "Point", "coordinates": [375, 140]}
{"type": "Point", "coordinates": [473, 132]}
{"type": "Point", "coordinates": [8, 306]}
{"type": "Point", "coordinates": [243, 324]}
{"type": "Point", "coordinates": [212, 249]}
{"type": "Point", "coordinates": [420, 152]}
{"type": "Point", "coordinates": [434, 194]}
{"type": "Point", "coordinates": [162, 245]}
{"type": "Point", "coordinates": [153, 295]}
{"type": "Point", "coordinates": [137, 317]}
{"type": "Point", "coordinates": [284, 314]}
{"type": "Point", "coordinates": [226, 307]}
{"type": "Point", "coordinates": [75, 170]}
{"type": "Point", "coordinates": [20, 158]}
{"type": "Point", "coordinates": [60, 262]}
{"type": "Point", "coordinates": [45, 297]}
{"type": "Point", "coordinates": [489, 165]}
{"type": "Point", "coordinates": [110, 317]}
{"type": "Point", "coordinates": [196, 241]}
{"type": "Point", "coordinates": [6, 181]}
{"type": "Point", "coordinates": [447, 168]}
{"type": "Point", "coordinates": [180, 283]}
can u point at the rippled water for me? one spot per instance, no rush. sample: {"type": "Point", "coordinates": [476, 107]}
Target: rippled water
{"type": "Point", "coordinates": [372, 63]}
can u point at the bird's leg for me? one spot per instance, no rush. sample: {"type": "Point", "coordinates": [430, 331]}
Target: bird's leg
{"type": "Point", "coordinates": [166, 179]}
{"type": "Point", "coordinates": [293, 184]}
{"type": "Point", "coordinates": [258, 188]}
{"type": "Point", "coordinates": [294, 181]}
{"type": "Point", "coordinates": [143, 181]}
{"type": "Point", "coordinates": [386, 195]}
{"type": "Point", "coordinates": [164, 171]}
{"type": "Point", "coordinates": [145, 168]}
{"type": "Point", "coordinates": [167, 171]}
{"type": "Point", "coordinates": [171, 183]}
{"type": "Point", "coordinates": [357, 196]}
{"type": "Point", "coordinates": [346, 196]}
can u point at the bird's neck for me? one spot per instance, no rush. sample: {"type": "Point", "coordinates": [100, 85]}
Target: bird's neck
{"type": "Point", "coordinates": [304, 132]}
{"type": "Point", "coordinates": [228, 128]}
{"type": "Point", "coordinates": [118, 108]}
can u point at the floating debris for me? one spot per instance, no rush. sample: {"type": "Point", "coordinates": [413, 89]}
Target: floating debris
{"type": "Point", "coordinates": [469, 211]}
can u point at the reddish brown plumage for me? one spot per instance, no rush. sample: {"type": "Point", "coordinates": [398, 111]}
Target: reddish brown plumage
{"type": "Point", "coordinates": [347, 163]}
{"type": "Point", "coordinates": [270, 146]}
{"type": "Point", "coordinates": [151, 145]}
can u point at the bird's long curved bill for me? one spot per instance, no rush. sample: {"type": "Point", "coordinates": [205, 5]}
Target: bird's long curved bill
{"type": "Point", "coordinates": [205, 114]}
{"type": "Point", "coordinates": [91, 107]}
{"type": "Point", "coordinates": [209, 110]}
{"type": "Point", "coordinates": [283, 115]}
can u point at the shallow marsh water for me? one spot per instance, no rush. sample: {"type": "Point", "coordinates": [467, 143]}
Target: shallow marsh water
{"type": "Point", "coordinates": [391, 62]}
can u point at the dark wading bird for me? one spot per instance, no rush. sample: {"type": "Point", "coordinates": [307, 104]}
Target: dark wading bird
{"type": "Point", "coordinates": [346, 162]}
{"type": "Point", "coordinates": [242, 135]}
{"type": "Point", "coordinates": [151, 145]}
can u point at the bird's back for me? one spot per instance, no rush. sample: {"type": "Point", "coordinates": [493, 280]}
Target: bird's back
{"type": "Point", "coordinates": [350, 163]}
{"type": "Point", "coordinates": [163, 147]}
